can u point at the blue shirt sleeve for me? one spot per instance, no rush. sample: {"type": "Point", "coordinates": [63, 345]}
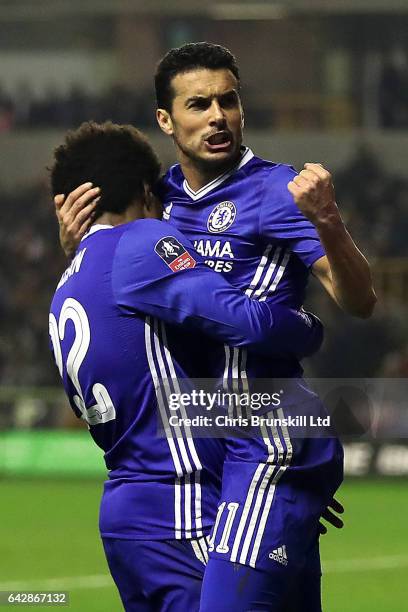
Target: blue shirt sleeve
{"type": "Point", "coordinates": [281, 220]}
{"type": "Point", "coordinates": [157, 272]}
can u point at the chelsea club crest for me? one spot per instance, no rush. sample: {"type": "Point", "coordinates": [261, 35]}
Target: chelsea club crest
{"type": "Point", "coordinates": [222, 217]}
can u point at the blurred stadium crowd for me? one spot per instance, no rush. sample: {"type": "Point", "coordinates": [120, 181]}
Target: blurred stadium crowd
{"type": "Point", "coordinates": [374, 205]}
{"type": "Point", "coordinates": [23, 109]}
{"type": "Point", "coordinates": [372, 202]}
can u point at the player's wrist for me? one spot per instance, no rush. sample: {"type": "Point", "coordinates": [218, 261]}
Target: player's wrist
{"type": "Point", "coordinates": [329, 219]}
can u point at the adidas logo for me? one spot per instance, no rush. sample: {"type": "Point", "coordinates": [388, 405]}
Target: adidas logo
{"type": "Point", "coordinates": [279, 555]}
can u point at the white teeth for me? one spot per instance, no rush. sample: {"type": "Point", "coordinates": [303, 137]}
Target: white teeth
{"type": "Point", "coordinates": [216, 139]}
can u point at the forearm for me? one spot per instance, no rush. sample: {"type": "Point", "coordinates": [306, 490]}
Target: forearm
{"type": "Point", "coordinates": [344, 271]}
{"type": "Point", "coordinates": [227, 315]}
{"type": "Point", "coordinates": [350, 274]}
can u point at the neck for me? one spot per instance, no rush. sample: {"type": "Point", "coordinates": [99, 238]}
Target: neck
{"type": "Point", "coordinates": [198, 175]}
{"type": "Point", "coordinates": [132, 213]}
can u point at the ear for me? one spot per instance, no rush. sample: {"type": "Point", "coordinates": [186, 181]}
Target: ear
{"type": "Point", "coordinates": [147, 197]}
{"type": "Point", "coordinates": [152, 207]}
{"type": "Point", "coordinates": [164, 120]}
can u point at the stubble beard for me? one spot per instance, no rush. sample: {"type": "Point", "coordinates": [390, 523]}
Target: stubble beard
{"type": "Point", "coordinates": [206, 165]}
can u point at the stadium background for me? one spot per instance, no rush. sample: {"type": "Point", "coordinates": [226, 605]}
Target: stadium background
{"type": "Point", "coordinates": [322, 81]}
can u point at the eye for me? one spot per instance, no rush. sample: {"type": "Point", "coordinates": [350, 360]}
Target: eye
{"type": "Point", "coordinates": [229, 100]}
{"type": "Point", "coordinates": [199, 104]}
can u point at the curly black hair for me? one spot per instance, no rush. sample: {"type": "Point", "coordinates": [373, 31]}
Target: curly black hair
{"type": "Point", "coordinates": [191, 56]}
{"type": "Point", "coordinates": [117, 158]}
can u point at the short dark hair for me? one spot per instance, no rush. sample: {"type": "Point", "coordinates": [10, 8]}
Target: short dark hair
{"type": "Point", "coordinates": [190, 57]}
{"type": "Point", "coordinates": [117, 158]}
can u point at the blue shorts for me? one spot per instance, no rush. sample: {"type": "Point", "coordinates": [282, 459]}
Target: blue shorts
{"type": "Point", "coordinates": [274, 490]}
{"type": "Point", "coordinates": [157, 576]}
{"type": "Point", "coordinates": [230, 586]}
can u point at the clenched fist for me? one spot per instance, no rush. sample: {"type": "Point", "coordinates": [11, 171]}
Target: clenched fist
{"type": "Point", "coordinates": [313, 192]}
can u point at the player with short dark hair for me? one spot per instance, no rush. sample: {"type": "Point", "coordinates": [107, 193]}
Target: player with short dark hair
{"type": "Point", "coordinates": [106, 154]}
{"type": "Point", "coordinates": [115, 332]}
{"type": "Point", "coordinates": [190, 56]}
{"type": "Point", "coordinates": [264, 227]}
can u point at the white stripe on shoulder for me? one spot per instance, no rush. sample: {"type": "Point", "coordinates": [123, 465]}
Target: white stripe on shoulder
{"type": "Point", "coordinates": [264, 283]}
{"type": "Point", "coordinates": [268, 275]}
{"type": "Point", "coordinates": [278, 276]}
{"type": "Point", "coordinates": [259, 271]}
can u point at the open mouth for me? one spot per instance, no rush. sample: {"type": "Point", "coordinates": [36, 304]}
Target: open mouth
{"type": "Point", "coordinates": [219, 141]}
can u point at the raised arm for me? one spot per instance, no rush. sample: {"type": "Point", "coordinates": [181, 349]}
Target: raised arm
{"type": "Point", "coordinates": [343, 271]}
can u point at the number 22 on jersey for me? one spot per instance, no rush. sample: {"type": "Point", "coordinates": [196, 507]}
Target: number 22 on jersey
{"type": "Point", "coordinates": [104, 410]}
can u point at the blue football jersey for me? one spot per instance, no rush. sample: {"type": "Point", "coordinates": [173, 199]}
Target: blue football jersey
{"type": "Point", "coordinates": [246, 225]}
{"type": "Point", "coordinates": [115, 358]}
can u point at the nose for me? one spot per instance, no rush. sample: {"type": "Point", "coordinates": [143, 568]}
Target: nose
{"type": "Point", "coordinates": [217, 116]}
